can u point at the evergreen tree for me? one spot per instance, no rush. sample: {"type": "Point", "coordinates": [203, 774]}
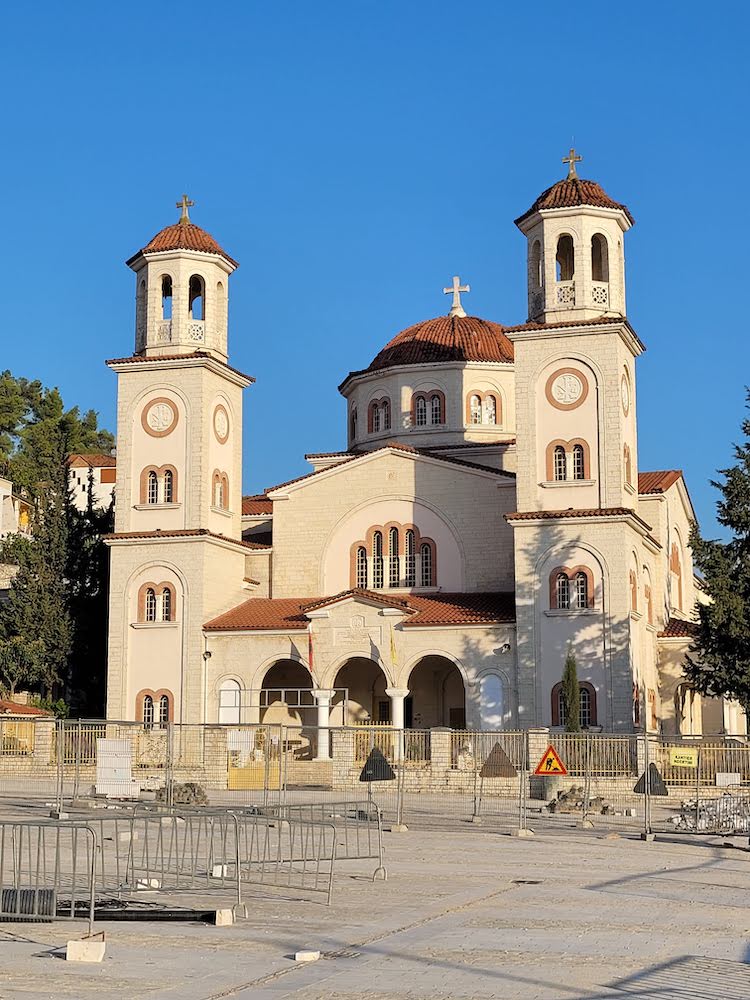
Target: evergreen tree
{"type": "Point", "coordinates": [21, 662]}
{"type": "Point", "coordinates": [719, 660]}
{"type": "Point", "coordinates": [571, 694]}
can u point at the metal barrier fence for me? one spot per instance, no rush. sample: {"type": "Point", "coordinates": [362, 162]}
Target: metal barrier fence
{"type": "Point", "coordinates": [47, 871]}
{"type": "Point", "coordinates": [437, 778]}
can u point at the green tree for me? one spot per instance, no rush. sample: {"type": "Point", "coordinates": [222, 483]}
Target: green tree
{"type": "Point", "coordinates": [719, 661]}
{"type": "Point", "coordinates": [571, 694]}
{"type": "Point", "coordinates": [21, 662]}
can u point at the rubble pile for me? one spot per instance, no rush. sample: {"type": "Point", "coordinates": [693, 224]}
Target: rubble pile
{"type": "Point", "coordinates": [727, 814]}
{"type": "Point", "coordinates": [190, 793]}
{"type": "Point", "coordinates": [572, 801]}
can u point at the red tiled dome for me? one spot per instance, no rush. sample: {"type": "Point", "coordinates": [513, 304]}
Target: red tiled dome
{"type": "Point", "coordinates": [570, 193]}
{"type": "Point", "coordinates": [185, 236]}
{"type": "Point", "coordinates": [447, 338]}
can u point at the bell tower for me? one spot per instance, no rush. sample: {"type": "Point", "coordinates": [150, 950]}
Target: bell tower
{"type": "Point", "coordinates": [576, 260]}
{"type": "Point", "coordinates": [181, 291]}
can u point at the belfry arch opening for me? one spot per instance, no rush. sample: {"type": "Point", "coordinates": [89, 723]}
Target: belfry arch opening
{"type": "Point", "coordinates": [197, 299]}
{"type": "Point", "coordinates": [565, 258]}
{"type": "Point", "coordinates": [437, 696]}
{"type": "Point", "coordinates": [166, 297]}
{"type": "Point", "coordinates": [599, 258]}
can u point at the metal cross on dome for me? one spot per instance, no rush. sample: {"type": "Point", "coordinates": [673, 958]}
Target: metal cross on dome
{"type": "Point", "coordinates": [184, 203]}
{"type": "Point", "coordinates": [456, 288]}
{"type": "Point", "coordinates": [571, 159]}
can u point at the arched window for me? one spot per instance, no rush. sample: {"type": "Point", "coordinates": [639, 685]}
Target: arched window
{"type": "Point", "coordinates": [586, 706]}
{"type": "Point", "coordinates": [152, 496]}
{"type": "Point", "coordinates": [492, 702]}
{"type": "Point", "coordinates": [649, 602]}
{"type": "Point", "coordinates": [582, 590]}
{"type": "Point", "coordinates": [377, 560]}
{"type": "Point", "coordinates": [562, 592]}
{"type": "Point", "coordinates": [599, 258]}
{"type": "Point", "coordinates": [375, 418]}
{"type": "Point", "coordinates": [229, 703]}
{"type": "Point", "coordinates": [196, 302]}
{"type": "Point", "coordinates": [425, 560]}
{"type": "Point", "coordinates": [386, 415]}
{"type": "Point", "coordinates": [579, 466]}
{"type": "Point", "coordinates": [436, 407]}
{"type": "Point", "coordinates": [362, 567]}
{"type": "Point", "coordinates": [150, 605]}
{"type": "Point", "coordinates": [410, 560]}
{"type": "Point", "coordinates": [536, 264]}
{"type": "Point", "coordinates": [166, 297]}
{"type": "Point", "coordinates": [353, 424]}
{"type": "Point", "coordinates": [475, 409]}
{"type": "Point", "coordinates": [560, 466]}
{"type": "Point", "coordinates": [163, 710]}
{"type": "Point", "coordinates": [490, 410]}
{"type": "Point", "coordinates": [167, 609]}
{"type": "Point", "coordinates": [168, 486]}
{"type": "Point", "coordinates": [420, 411]}
{"type": "Point", "coordinates": [633, 590]}
{"type": "Point", "coordinates": [148, 711]}
{"type": "Point", "coordinates": [675, 577]}
{"type": "Point", "coordinates": [393, 561]}
{"type": "Point", "coordinates": [628, 466]}
{"type": "Point", "coordinates": [221, 306]}
{"type": "Point", "coordinates": [565, 259]}
{"type": "Point", "coordinates": [218, 490]}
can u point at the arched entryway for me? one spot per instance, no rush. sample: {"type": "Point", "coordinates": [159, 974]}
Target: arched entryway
{"type": "Point", "coordinates": [366, 701]}
{"type": "Point", "coordinates": [437, 696]}
{"type": "Point", "coordinates": [285, 695]}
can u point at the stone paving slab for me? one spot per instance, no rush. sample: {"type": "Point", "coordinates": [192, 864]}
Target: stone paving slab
{"type": "Point", "coordinates": [472, 915]}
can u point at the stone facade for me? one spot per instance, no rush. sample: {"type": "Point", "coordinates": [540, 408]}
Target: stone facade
{"type": "Point", "coordinates": [378, 587]}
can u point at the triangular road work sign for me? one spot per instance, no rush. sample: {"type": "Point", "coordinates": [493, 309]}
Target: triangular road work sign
{"type": "Point", "coordinates": [551, 763]}
{"type": "Point", "coordinates": [655, 782]}
{"type": "Point", "coordinates": [377, 768]}
{"type": "Point", "coordinates": [497, 765]}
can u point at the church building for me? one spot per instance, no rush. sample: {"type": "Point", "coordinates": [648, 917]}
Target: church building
{"type": "Point", "coordinates": [488, 515]}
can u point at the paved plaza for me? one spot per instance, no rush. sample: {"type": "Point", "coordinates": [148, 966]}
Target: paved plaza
{"type": "Point", "coordinates": [472, 914]}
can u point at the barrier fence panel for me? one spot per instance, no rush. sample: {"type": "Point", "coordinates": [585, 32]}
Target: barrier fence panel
{"type": "Point", "coordinates": [47, 871]}
{"type": "Point", "coordinates": [358, 826]}
{"type": "Point", "coordinates": [27, 759]}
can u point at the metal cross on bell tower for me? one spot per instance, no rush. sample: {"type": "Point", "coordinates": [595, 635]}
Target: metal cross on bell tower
{"type": "Point", "coordinates": [184, 203]}
{"type": "Point", "coordinates": [571, 159]}
{"type": "Point", "coordinates": [456, 288]}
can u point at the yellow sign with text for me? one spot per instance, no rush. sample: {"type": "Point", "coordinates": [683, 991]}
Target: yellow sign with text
{"type": "Point", "coordinates": [680, 757]}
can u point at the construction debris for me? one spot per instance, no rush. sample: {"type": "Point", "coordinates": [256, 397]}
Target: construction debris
{"type": "Point", "coordinates": [725, 814]}
{"type": "Point", "coordinates": [572, 800]}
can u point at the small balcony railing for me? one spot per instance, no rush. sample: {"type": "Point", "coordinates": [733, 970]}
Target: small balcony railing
{"type": "Point", "coordinates": [566, 293]}
{"type": "Point", "coordinates": [164, 331]}
{"type": "Point", "coordinates": [600, 293]}
{"type": "Point", "coordinates": [196, 330]}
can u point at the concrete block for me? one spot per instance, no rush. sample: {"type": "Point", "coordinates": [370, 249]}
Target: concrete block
{"type": "Point", "coordinates": [648, 838]}
{"type": "Point", "coordinates": [224, 918]}
{"type": "Point", "coordinates": [306, 956]}
{"type": "Point", "coordinates": [523, 833]}
{"type": "Point", "coordinates": [399, 828]}
{"type": "Point", "coordinates": [148, 883]}
{"type": "Point", "coordinates": [87, 950]}
{"type": "Point", "coordinates": [219, 871]}
{"type": "Point", "coordinates": [56, 814]}
{"type": "Point", "coordinates": [585, 824]}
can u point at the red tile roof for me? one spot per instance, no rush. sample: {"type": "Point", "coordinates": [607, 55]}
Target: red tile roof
{"type": "Point", "coordinates": [446, 338]}
{"type": "Point", "coordinates": [182, 533]}
{"type": "Point", "coordinates": [678, 628]}
{"type": "Point", "coordinates": [94, 460]}
{"type": "Point", "coordinates": [257, 504]}
{"type": "Point", "coordinates": [13, 708]}
{"type": "Point", "coordinates": [138, 359]}
{"type": "Point", "coordinates": [259, 613]}
{"type": "Point", "coordinates": [572, 192]}
{"type": "Point", "coordinates": [183, 236]}
{"type": "Point", "coordinates": [545, 515]}
{"type": "Point", "coordinates": [599, 321]}
{"type": "Point", "coordinates": [657, 482]}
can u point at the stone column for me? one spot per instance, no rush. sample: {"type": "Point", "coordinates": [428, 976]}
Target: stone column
{"type": "Point", "coordinates": [397, 696]}
{"type": "Point", "coordinates": [323, 698]}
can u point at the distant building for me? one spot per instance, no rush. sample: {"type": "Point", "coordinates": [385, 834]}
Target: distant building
{"type": "Point", "coordinates": [104, 469]}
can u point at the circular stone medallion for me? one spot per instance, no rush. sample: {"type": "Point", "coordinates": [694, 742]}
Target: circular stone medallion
{"type": "Point", "coordinates": [159, 417]}
{"type": "Point", "coordinates": [566, 388]}
{"type": "Point", "coordinates": [221, 424]}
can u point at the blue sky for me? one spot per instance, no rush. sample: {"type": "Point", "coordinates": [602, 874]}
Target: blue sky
{"type": "Point", "coordinates": [353, 156]}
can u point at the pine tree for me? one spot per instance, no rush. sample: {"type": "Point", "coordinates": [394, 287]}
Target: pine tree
{"type": "Point", "coordinates": [571, 694]}
{"type": "Point", "coordinates": [719, 660]}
